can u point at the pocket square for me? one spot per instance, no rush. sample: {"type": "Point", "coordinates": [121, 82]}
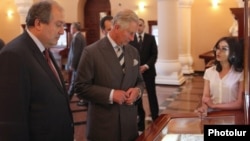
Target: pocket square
{"type": "Point", "coordinates": [135, 62]}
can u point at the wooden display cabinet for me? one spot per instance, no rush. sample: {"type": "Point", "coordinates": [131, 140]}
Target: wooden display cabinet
{"type": "Point", "coordinates": [188, 126]}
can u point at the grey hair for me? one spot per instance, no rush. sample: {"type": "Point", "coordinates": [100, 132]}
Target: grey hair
{"type": "Point", "coordinates": [77, 25]}
{"type": "Point", "coordinates": [123, 18]}
{"type": "Point", "coordinates": [42, 11]}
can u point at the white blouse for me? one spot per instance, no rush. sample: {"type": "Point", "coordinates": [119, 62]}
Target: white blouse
{"type": "Point", "coordinates": [223, 90]}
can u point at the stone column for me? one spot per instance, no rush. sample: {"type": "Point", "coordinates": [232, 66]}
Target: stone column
{"type": "Point", "coordinates": [23, 8]}
{"type": "Point", "coordinates": [184, 35]}
{"type": "Point", "coordinates": [240, 3]}
{"type": "Point", "coordinates": [168, 66]}
{"type": "Point", "coordinates": [233, 30]}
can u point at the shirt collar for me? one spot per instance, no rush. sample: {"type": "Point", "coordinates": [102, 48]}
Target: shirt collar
{"type": "Point", "coordinates": [113, 43]}
{"type": "Point", "coordinates": [142, 35]}
{"type": "Point", "coordinates": [75, 33]}
{"type": "Point", "coordinates": [36, 40]}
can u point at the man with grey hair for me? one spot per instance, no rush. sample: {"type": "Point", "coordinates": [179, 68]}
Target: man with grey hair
{"type": "Point", "coordinates": [34, 104]}
{"type": "Point", "coordinates": [77, 44]}
{"type": "Point", "coordinates": [108, 77]}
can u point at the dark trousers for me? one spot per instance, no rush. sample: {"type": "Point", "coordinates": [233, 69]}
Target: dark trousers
{"type": "Point", "coordinates": [71, 90]}
{"type": "Point", "coordinates": [153, 102]}
{"type": "Point", "coordinates": [141, 116]}
{"type": "Point", "coordinates": [152, 98]}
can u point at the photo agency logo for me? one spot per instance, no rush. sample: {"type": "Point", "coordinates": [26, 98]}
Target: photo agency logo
{"type": "Point", "coordinates": [241, 132]}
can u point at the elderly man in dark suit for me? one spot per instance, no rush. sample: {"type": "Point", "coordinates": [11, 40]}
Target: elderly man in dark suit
{"type": "Point", "coordinates": [112, 87]}
{"type": "Point", "coordinates": [146, 45]}
{"type": "Point", "coordinates": [34, 104]}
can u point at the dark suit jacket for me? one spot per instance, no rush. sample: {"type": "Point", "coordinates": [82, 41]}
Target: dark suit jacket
{"type": "Point", "coordinates": [33, 104]}
{"type": "Point", "coordinates": [77, 45]}
{"type": "Point", "coordinates": [148, 53]}
{"type": "Point", "coordinates": [99, 71]}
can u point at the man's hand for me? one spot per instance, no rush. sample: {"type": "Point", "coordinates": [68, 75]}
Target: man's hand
{"type": "Point", "coordinates": [119, 96]}
{"type": "Point", "coordinates": [143, 68]}
{"type": "Point", "coordinates": [132, 95]}
{"type": "Point", "coordinates": [202, 111]}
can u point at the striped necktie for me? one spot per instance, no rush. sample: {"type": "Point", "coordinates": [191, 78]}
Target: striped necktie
{"type": "Point", "coordinates": [120, 56]}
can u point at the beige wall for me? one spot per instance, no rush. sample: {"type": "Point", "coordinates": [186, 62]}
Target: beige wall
{"type": "Point", "coordinates": [207, 24]}
{"type": "Point", "coordinates": [9, 26]}
{"type": "Point", "coordinates": [149, 13]}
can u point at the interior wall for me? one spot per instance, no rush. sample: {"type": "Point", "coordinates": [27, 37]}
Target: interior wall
{"type": "Point", "coordinates": [9, 26]}
{"type": "Point", "coordinates": [80, 11]}
{"type": "Point", "coordinates": [148, 13]}
{"type": "Point", "coordinates": [207, 24]}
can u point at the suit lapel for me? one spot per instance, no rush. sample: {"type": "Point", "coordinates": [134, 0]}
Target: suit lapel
{"type": "Point", "coordinates": [128, 64]}
{"type": "Point", "coordinates": [46, 67]}
{"type": "Point", "coordinates": [110, 54]}
{"type": "Point", "coordinates": [58, 71]}
{"type": "Point", "coordinates": [37, 54]}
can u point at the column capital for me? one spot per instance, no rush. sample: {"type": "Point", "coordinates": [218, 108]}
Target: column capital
{"type": "Point", "coordinates": [240, 3]}
{"type": "Point", "coordinates": [185, 3]}
{"type": "Point", "coordinates": [23, 8]}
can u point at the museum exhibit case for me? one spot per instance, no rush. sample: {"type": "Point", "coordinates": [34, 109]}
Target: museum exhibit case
{"type": "Point", "coordinates": [190, 126]}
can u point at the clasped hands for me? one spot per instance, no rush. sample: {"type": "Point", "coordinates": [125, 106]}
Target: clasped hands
{"type": "Point", "coordinates": [206, 103]}
{"type": "Point", "coordinates": [126, 97]}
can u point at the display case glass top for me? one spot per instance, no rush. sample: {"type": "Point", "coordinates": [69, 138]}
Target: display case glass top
{"type": "Point", "coordinates": [188, 126]}
{"type": "Point", "coordinates": [180, 129]}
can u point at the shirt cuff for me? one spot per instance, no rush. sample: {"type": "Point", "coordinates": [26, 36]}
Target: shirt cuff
{"type": "Point", "coordinates": [146, 66]}
{"type": "Point", "coordinates": [139, 93]}
{"type": "Point", "coordinates": [111, 96]}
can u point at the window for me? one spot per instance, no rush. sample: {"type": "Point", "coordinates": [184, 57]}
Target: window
{"type": "Point", "coordinates": [62, 42]}
{"type": "Point", "coordinates": [155, 32]}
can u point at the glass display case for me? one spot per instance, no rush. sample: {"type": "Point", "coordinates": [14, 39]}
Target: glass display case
{"type": "Point", "coordinates": [188, 126]}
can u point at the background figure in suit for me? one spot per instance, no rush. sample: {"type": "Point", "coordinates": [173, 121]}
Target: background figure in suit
{"type": "Point", "coordinates": [1, 44]}
{"type": "Point", "coordinates": [148, 55]}
{"type": "Point", "coordinates": [106, 24]}
{"type": "Point", "coordinates": [112, 91]}
{"type": "Point", "coordinates": [34, 104]}
{"type": "Point", "coordinates": [77, 44]}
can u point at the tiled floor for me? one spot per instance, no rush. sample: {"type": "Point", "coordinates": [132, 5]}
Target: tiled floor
{"type": "Point", "coordinates": [171, 99]}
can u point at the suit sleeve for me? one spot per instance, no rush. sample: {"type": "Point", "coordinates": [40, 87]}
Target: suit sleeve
{"type": "Point", "coordinates": [154, 52]}
{"type": "Point", "coordinates": [78, 45]}
{"type": "Point", "coordinates": [13, 99]}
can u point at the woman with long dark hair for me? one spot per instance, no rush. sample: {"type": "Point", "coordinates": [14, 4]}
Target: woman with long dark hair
{"type": "Point", "coordinates": [223, 87]}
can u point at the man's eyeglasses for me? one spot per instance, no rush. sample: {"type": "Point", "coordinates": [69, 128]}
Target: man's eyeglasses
{"type": "Point", "coordinates": [222, 49]}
